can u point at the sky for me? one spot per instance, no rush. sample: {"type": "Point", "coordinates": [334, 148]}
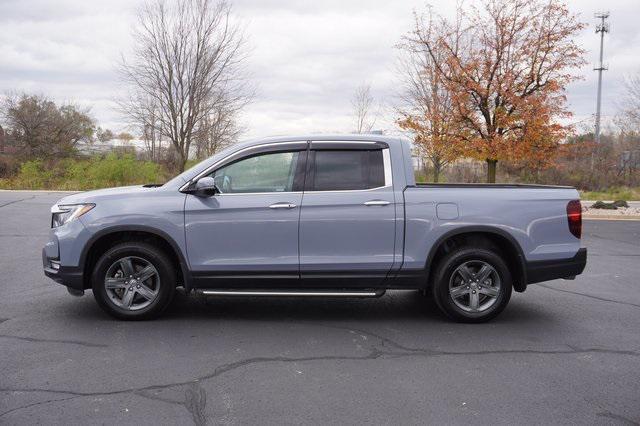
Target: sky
{"type": "Point", "coordinates": [306, 57]}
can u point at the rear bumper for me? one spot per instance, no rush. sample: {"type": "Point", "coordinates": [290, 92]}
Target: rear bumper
{"type": "Point", "coordinates": [69, 276]}
{"type": "Point", "coordinates": [546, 270]}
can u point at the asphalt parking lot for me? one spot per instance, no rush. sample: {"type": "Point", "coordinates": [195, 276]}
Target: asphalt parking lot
{"type": "Point", "coordinates": [563, 352]}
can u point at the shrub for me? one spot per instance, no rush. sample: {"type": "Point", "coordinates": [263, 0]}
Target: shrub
{"type": "Point", "coordinates": [8, 166]}
{"type": "Point", "coordinates": [604, 206]}
{"type": "Point", "coordinates": [614, 193]}
{"type": "Point", "coordinates": [82, 174]}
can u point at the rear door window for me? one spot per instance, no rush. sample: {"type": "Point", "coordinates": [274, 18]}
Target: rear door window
{"type": "Point", "coordinates": [343, 170]}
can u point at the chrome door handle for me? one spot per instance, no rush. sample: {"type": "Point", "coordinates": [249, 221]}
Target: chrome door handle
{"type": "Point", "coordinates": [282, 206]}
{"type": "Point", "coordinates": [377, 203]}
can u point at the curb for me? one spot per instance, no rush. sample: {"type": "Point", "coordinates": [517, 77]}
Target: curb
{"type": "Point", "coordinates": [40, 190]}
{"type": "Point", "coordinates": [611, 217]}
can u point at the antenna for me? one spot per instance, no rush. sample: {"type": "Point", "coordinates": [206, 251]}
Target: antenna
{"type": "Point", "coordinates": [602, 28]}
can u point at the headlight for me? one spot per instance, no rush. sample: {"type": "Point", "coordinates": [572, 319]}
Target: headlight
{"type": "Point", "coordinates": [63, 213]}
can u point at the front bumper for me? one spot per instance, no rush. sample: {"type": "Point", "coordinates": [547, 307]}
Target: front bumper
{"type": "Point", "coordinates": [546, 270]}
{"type": "Point", "coordinates": [69, 276]}
{"type": "Point", "coordinates": [61, 254]}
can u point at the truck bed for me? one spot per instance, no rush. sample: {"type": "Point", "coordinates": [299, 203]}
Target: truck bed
{"type": "Point", "coordinates": [490, 185]}
{"type": "Point", "coordinates": [534, 215]}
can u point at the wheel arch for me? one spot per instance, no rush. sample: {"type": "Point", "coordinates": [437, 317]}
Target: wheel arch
{"type": "Point", "coordinates": [107, 237]}
{"type": "Point", "coordinates": [469, 235]}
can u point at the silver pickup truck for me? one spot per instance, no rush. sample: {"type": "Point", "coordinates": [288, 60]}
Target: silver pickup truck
{"type": "Point", "coordinates": [315, 216]}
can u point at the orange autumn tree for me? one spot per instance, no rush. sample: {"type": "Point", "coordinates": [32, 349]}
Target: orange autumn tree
{"type": "Point", "coordinates": [426, 104]}
{"type": "Point", "coordinates": [506, 65]}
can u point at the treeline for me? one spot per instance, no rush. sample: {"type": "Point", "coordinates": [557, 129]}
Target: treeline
{"type": "Point", "coordinates": [611, 167]}
{"type": "Point", "coordinates": [39, 143]}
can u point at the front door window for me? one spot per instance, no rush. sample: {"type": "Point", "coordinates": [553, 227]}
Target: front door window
{"type": "Point", "coordinates": [272, 172]}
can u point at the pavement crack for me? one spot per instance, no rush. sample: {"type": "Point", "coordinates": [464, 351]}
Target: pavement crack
{"type": "Point", "coordinates": [408, 351]}
{"type": "Point", "coordinates": [17, 201]}
{"type": "Point", "coordinates": [215, 373]}
{"type": "Point", "coordinates": [195, 400]}
{"type": "Point", "coordinates": [33, 404]}
{"type": "Point", "coordinates": [69, 342]}
{"type": "Point", "coordinates": [384, 341]}
{"type": "Point", "coordinates": [195, 395]}
{"type": "Point", "coordinates": [372, 355]}
{"type": "Point", "coordinates": [603, 299]}
{"type": "Point", "coordinates": [619, 418]}
{"type": "Point", "coordinates": [156, 397]}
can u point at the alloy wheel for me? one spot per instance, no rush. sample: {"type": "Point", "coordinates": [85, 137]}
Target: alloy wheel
{"type": "Point", "coordinates": [132, 283]}
{"type": "Point", "coordinates": [475, 286]}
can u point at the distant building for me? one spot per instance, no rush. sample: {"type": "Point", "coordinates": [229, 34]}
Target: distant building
{"type": "Point", "coordinates": [105, 147]}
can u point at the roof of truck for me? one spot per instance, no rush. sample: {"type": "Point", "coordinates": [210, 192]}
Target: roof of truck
{"type": "Point", "coordinates": [326, 137]}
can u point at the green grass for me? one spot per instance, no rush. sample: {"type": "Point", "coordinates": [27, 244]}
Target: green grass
{"type": "Point", "coordinates": [614, 193]}
{"type": "Point", "coordinates": [82, 174]}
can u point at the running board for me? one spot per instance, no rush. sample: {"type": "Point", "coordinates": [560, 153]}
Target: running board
{"type": "Point", "coordinates": [292, 293]}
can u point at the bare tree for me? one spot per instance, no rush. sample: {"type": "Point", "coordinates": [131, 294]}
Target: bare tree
{"type": "Point", "coordinates": [219, 130]}
{"type": "Point", "coordinates": [143, 114]}
{"type": "Point", "coordinates": [630, 108]}
{"type": "Point", "coordinates": [363, 103]}
{"type": "Point", "coordinates": [186, 64]}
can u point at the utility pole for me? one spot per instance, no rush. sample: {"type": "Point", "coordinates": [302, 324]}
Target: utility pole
{"type": "Point", "coordinates": [602, 27]}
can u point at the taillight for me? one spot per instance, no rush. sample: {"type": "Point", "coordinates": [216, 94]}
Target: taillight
{"type": "Point", "coordinates": [574, 214]}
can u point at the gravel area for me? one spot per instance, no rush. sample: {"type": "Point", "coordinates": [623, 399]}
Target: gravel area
{"type": "Point", "coordinates": [632, 211]}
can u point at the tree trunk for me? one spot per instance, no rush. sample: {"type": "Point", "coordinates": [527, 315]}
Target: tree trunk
{"type": "Point", "coordinates": [436, 173]}
{"type": "Point", "coordinates": [491, 170]}
{"type": "Point", "coordinates": [182, 161]}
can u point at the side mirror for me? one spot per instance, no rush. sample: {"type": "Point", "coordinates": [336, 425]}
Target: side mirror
{"type": "Point", "coordinates": [205, 187]}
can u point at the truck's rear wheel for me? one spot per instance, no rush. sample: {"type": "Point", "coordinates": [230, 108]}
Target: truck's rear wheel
{"type": "Point", "coordinates": [133, 281]}
{"type": "Point", "coordinates": [472, 284]}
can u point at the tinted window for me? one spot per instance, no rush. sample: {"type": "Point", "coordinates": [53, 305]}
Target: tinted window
{"type": "Point", "coordinates": [348, 170]}
{"type": "Point", "coordinates": [263, 173]}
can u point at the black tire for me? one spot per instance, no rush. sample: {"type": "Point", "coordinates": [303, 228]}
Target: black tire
{"type": "Point", "coordinates": [164, 285]}
{"type": "Point", "coordinates": [446, 273]}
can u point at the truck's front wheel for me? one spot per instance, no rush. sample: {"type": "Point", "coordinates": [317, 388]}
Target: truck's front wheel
{"type": "Point", "coordinates": [133, 281]}
{"type": "Point", "coordinates": [472, 284]}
